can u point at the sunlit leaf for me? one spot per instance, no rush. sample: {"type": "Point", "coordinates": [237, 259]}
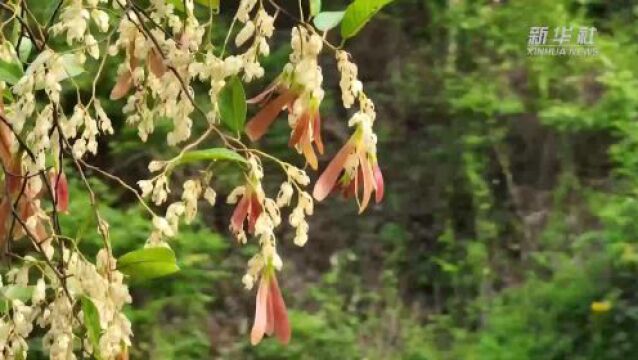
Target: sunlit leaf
{"type": "Point", "coordinates": [328, 19]}
{"type": "Point", "coordinates": [16, 292]}
{"type": "Point", "coordinates": [213, 4]}
{"type": "Point", "coordinates": [213, 154]}
{"type": "Point", "coordinates": [358, 14]}
{"type": "Point", "coordinates": [19, 355]}
{"type": "Point", "coordinates": [232, 104]}
{"type": "Point", "coordinates": [148, 263]}
{"type": "Point", "coordinates": [92, 323]}
{"type": "Point", "coordinates": [10, 72]}
{"type": "Point", "coordinates": [13, 292]}
{"type": "Point", "coordinates": [72, 67]}
{"type": "Point", "coordinates": [315, 7]}
{"type": "Point", "coordinates": [25, 48]}
{"type": "Point", "coordinates": [10, 65]}
{"type": "Point", "coordinates": [43, 10]}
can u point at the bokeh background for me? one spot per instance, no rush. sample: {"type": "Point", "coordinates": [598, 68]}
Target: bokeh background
{"type": "Point", "coordinates": [509, 226]}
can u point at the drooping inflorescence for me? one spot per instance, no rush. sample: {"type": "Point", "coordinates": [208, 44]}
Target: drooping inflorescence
{"type": "Point", "coordinates": [169, 70]}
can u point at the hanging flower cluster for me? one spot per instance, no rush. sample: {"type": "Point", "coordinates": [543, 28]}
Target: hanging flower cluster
{"type": "Point", "coordinates": [355, 169]}
{"type": "Point", "coordinates": [298, 90]}
{"type": "Point", "coordinates": [165, 59]}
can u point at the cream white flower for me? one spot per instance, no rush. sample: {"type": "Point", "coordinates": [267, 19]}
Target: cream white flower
{"type": "Point", "coordinates": [210, 195]}
{"type": "Point", "coordinates": [245, 33]}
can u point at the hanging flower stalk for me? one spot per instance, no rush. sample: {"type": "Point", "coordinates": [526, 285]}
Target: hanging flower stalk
{"type": "Point", "coordinates": [354, 171]}
{"type": "Point", "coordinates": [298, 90]}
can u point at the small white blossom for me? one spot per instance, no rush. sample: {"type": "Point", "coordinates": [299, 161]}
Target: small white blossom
{"type": "Point", "coordinates": [210, 195]}
{"type": "Point", "coordinates": [245, 33]}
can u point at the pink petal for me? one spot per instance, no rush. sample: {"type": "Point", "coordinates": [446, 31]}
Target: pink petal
{"type": "Point", "coordinates": [40, 232]}
{"type": "Point", "coordinates": [24, 209]}
{"type": "Point", "coordinates": [155, 63]}
{"type": "Point", "coordinates": [61, 188]}
{"type": "Point", "coordinates": [259, 124]}
{"type": "Point", "coordinates": [270, 316]}
{"type": "Point", "coordinates": [239, 215]}
{"type": "Point", "coordinates": [348, 189]}
{"type": "Point", "coordinates": [282, 325]}
{"type": "Point", "coordinates": [5, 143]}
{"type": "Point", "coordinates": [13, 179]}
{"type": "Point", "coordinates": [316, 132]}
{"type": "Point", "coordinates": [27, 209]}
{"type": "Point", "coordinates": [254, 211]}
{"type": "Point", "coordinates": [368, 181]}
{"type": "Point", "coordinates": [301, 127]}
{"type": "Point", "coordinates": [5, 210]}
{"type": "Point", "coordinates": [125, 80]}
{"type": "Point", "coordinates": [308, 151]}
{"type": "Point", "coordinates": [261, 309]}
{"type": "Point", "coordinates": [379, 188]}
{"type": "Point", "coordinates": [122, 86]}
{"type": "Point", "coordinates": [327, 180]}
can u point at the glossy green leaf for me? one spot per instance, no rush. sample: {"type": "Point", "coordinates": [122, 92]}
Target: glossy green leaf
{"type": "Point", "coordinates": [10, 65]}
{"type": "Point", "coordinates": [358, 13]}
{"type": "Point", "coordinates": [148, 263]}
{"type": "Point", "coordinates": [10, 72]}
{"type": "Point", "coordinates": [212, 154]}
{"type": "Point", "coordinates": [43, 10]}
{"type": "Point", "coordinates": [328, 19]}
{"type": "Point", "coordinates": [315, 7]}
{"type": "Point", "coordinates": [92, 323]}
{"type": "Point", "coordinates": [232, 104]}
{"type": "Point", "coordinates": [25, 48]}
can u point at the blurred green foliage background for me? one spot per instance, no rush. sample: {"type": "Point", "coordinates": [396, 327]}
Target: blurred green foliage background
{"type": "Point", "coordinates": [509, 226]}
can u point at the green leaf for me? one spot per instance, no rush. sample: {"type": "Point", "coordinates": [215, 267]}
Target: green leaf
{"type": "Point", "coordinates": [177, 4]}
{"type": "Point", "coordinates": [10, 65]}
{"type": "Point", "coordinates": [13, 292]}
{"type": "Point", "coordinates": [232, 104]}
{"type": "Point", "coordinates": [19, 355]}
{"type": "Point", "coordinates": [327, 20]}
{"type": "Point", "coordinates": [213, 4]}
{"type": "Point", "coordinates": [7, 95]}
{"type": "Point", "coordinates": [92, 323]}
{"type": "Point", "coordinates": [24, 50]}
{"type": "Point", "coordinates": [10, 72]}
{"type": "Point", "coordinates": [72, 67]}
{"type": "Point", "coordinates": [212, 154]}
{"type": "Point", "coordinates": [43, 10]}
{"type": "Point", "coordinates": [358, 14]}
{"type": "Point", "coordinates": [148, 263]}
{"type": "Point", "coordinates": [315, 7]}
